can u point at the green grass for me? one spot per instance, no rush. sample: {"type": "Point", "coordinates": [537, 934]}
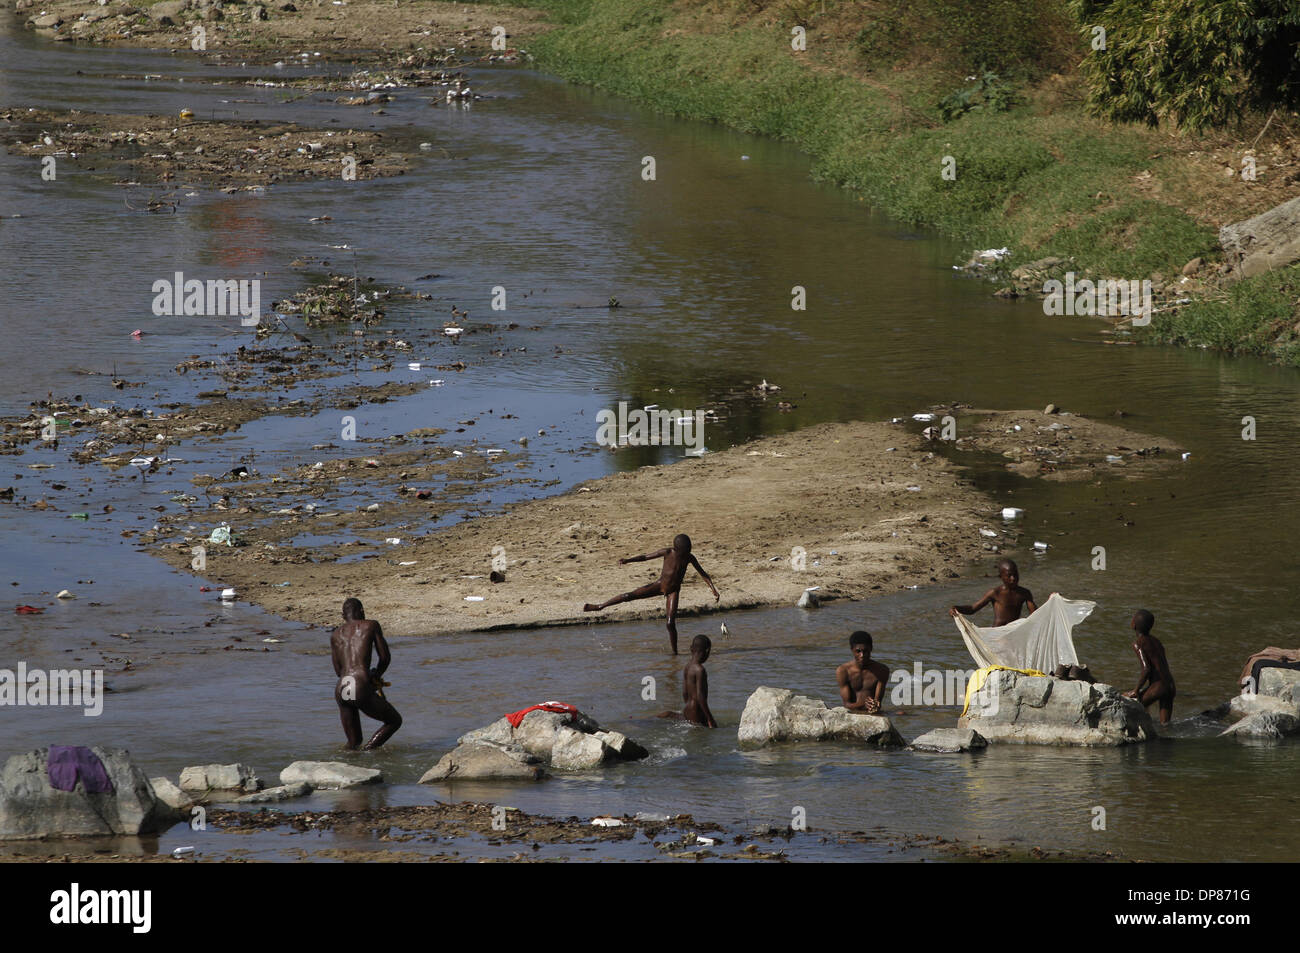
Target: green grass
{"type": "Point", "coordinates": [1042, 183]}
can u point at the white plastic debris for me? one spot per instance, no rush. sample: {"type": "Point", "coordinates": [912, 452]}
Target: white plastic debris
{"type": "Point", "coordinates": [65, 594]}
{"type": "Point", "coordinates": [414, 365]}
{"type": "Point", "coordinates": [924, 418]}
{"type": "Point", "coordinates": [1012, 512]}
{"type": "Point", "coordinates": [474, 598]}
{"type": "Point", "coordinates": [1040, 547]}
{"type": "Point", "coordinates": [989, 533]}
{"type": "Point", "coordinates": [227, 595]}
{"type": "Point", "coordinates": [606, 822]}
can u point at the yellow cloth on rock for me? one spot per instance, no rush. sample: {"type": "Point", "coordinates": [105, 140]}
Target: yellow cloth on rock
{"type": "Point", "coordinates": [977, 680]}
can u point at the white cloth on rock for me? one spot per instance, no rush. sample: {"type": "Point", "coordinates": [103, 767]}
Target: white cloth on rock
{"type": "Point", "coordinates": [1041, 641]}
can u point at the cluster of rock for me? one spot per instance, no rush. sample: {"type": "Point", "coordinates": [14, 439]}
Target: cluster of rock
{"type": "Point", "coordinates": [238, 782]}
{"type": "Point", "coordinates": [543, 740]}
{"type": "Point", "coordinates": [1272, 712]}
{"type": "Point", "coordinates": [127, 18]}
{"type": "Point", "coordinates": [1028, 709]}
{"type": "Point", "coordinates": [775, 715]}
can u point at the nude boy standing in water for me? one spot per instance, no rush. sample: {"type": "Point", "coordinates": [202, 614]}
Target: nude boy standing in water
{"type": "Point", "coordinates": [360, 688]}
{"type": "Point", "coordinates": [1155, 680]}
{"type": "Point", "coordinates": [676, 561]}
{"type": "Point", "coordinates": [1007, 599]}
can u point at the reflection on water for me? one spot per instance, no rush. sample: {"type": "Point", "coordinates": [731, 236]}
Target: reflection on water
{"type": "Point", "coordinates": [544, 196]}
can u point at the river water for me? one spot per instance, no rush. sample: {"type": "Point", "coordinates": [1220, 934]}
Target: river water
{"type": "Point", "coordinates": [544, 196]}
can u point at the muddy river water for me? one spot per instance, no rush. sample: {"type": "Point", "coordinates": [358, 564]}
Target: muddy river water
{"type": "Point", "coordinates": [537, 188]}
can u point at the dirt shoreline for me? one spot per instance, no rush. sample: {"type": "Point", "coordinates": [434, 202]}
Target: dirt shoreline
{"type": "Point", "coordinates": [366, 30]}
{"type": "Point", "coordinates": [873, 507]}
{"type": "Point", "coordinates": [465, 832]}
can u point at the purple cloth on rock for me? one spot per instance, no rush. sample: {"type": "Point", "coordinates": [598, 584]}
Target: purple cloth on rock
{"type": "Point", "coordinates": [69, 763]}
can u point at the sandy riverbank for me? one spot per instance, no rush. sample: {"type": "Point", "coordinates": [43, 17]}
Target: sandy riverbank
{"type": "Point", "coordinates": [872, 506]}
{"type": "Point", "coordinates": [280, 29]}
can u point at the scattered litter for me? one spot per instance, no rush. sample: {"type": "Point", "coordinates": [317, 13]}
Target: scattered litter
{"type": "Point", "coordinates": [414, 365]}
{"type": "Point", "coordinates": [704, 841]}
{"type": "Point", "coordinates": [924, 418]}
{"type": "Point", "coordinates": [372, 508]}
{"type": "Point", "coordinates": [393, 540]}
{"type": "Point", "coordinates": [227, 595]}
{"type": "Point", "coordinates": [697, 453]}
{"type": "Point", "coordinates": [989, 533]}
{"type": "Point", "coordinates": [438, 383]}
{"type": "Point", "coordinates": [79, 516]}
{"type": "Point", "coordinates": [809, 599]}
{"type": "Point", "coordinates": [474, 598]}
{"type": "Point", "coordinates": [914, 489]}
{"type": "Point", "coordinates": [222, 534]}
{"type": "Point", "coordinates": [606, 822]}
{"type": "Point", "coordinates": [182, 851]}
{"type": "Point", "coordinates": [28, 610]}
{"type": "Point", "coordinates": [1012, 512]}
{"type": "Point", "coordinates": [273, 641]}
{"type": "Point", "coordinates": [409, 562]}
{"type": "Point", "coordinates": [1040, 547]}
{"type": "Point", "coordinates": [650, 816]}
{"type": "Point", "coordinates": [1186, 455]}
{"type": "Point", "coordinates": [1112, 458]}
{"type": "Point", "coordinates": [65, 594]}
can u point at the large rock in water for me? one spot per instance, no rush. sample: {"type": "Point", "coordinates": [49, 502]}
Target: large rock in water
{"type": "Point", "coordinates": [1039, 710]}
{"type": "Point", "coordinates": [481, 761]}
{"type": "Point", "coordinates": [773, 715]}
{"type": "Point", "coordinates": [544, 738]}
{"type": "Point", "coordinates": [31, 808]}
{"type": "Point", "coordinates": [1266, 242]}
{"type": "Point", "coordinates": [329, 775]}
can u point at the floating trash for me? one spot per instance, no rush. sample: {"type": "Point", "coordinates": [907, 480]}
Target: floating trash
{"type": "Point", "coordinates": [227, 595]}
{"type": "Point", "coordinates": [1012, 512]}
{"type": "Point", "coordinates": [606, 822]}
{"type": "Point", "coordinates": [1040, 547]}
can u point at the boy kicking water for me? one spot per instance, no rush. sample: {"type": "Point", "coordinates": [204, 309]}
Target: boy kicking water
{"type": "Point", "coordinates": [676, 561]}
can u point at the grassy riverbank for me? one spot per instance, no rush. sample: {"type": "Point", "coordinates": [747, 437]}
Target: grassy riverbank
{"type": "Point", "coordinates": [1041, 177]}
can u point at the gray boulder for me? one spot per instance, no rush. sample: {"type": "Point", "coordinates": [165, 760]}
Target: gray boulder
{"type": "Point", "coordinates": [482, 761]}
{"type": "Point", "coordinates": [544, 738]}
{"type": "Point", "coordinates": [329, 775]}
{"type": "Point", "coordinates": [1283, 683]}
{"type": "Point", "coordinates": [47, 21]}
{"type": "Point", "coordinates": [1244, 705]}
{"type": "Point", "coordinates": [1027, 709]}
{"type": "Point", "coordinates": [284, 792]}
{"type": "Point", "coordinates": [774, 715]}
{"type": "Point", "coordinates": [949, 740]}
{"type": "Point", "coordinates": [1266, 724]}
{"type": "Point", "coordinates": [30, 808]}
{"type": "Point", "coordinates": [1266, 242]}
{"type": "Point", "coordinates": [203, 779]}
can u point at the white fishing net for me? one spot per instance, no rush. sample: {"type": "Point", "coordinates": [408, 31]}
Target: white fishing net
{"type": "Point", "coordinates": [1041, 641]}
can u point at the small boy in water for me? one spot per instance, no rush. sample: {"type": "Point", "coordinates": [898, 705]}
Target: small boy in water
{"type": "Point", "coordinates": [676, 561]}
{"type": "Point", "coordinates": [1007, 598]}
{"type": "Point", "coordinates": [1155, 675]}
{"type": "Point", "coordinates": [862, 682]}
{"type": "Point", "coordinates": [360, 688]}
{"type": "Point", "coordinates": [695, 684]}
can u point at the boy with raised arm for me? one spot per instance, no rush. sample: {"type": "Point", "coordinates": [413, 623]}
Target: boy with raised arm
{"type": "Point", "coordinates": [676, 561]}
